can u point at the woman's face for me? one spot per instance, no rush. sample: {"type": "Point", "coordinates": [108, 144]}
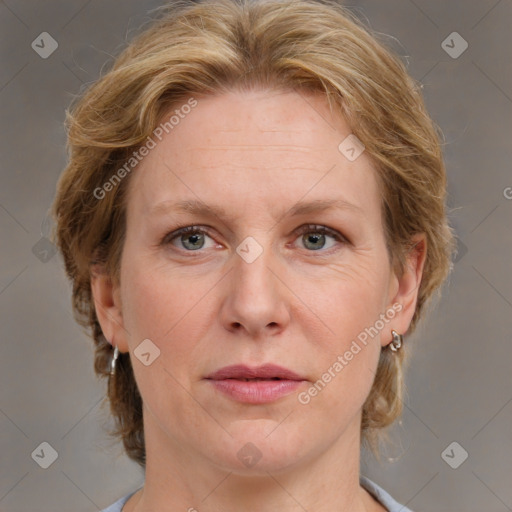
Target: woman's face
{"type": "Point", "coordinates": [252, 284]}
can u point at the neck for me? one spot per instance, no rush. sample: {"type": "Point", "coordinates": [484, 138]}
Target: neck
{"type": "Point", "coordinates": [177, 478]}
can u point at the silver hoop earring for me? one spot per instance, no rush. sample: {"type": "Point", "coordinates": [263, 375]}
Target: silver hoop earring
{"type": "Point", "coordinates": [113, 362]}
{"type": "Point", "coordinates": [396, 342]}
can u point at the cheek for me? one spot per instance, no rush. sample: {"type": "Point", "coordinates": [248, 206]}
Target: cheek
{"type": "Point", "coordinates": [150, 295]}
{"type": "Point", "coordinates": [344, 377]}
{"type": "Point", "coordinates": [160, 305]}
{"type": "Point", "coordinates": [143, 301]}
{"type": "Point", "coordinates": [349, 304]}
{"type": "Point", "coordinates": [347, 297]}
{"type": "Point", "coordinates": [154, 309]}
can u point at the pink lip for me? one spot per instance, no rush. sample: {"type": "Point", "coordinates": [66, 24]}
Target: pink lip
{"type": "Point", "coordinates": [230, 381]}
{"type": "Point", "coordinates": [241, 371]}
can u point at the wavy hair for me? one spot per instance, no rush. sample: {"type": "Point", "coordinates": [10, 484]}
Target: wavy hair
{"type": "Point", "coordinates": [215, 46]}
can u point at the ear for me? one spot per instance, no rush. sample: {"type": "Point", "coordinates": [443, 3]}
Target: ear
{"type": "Point", "coordinates": [107, 303]}
{"type": "Point", "coordinates": [404, 289]}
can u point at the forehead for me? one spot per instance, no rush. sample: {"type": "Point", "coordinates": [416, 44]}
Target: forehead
{"type": "Point", "coordinates": [273, 147]}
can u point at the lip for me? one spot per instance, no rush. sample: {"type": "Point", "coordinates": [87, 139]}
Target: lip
{"type": "Point", "coordinates": [266, 371]}
{"type": "Point", "coordinates": [275, 382]}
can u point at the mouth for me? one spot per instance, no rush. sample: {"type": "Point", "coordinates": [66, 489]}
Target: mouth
{"type": "Point", "coordinates": [248, 373]}
{"type": "Point", "coordinates": [255, 385]}
{"type": "Point", "coordinates": [254, 380]}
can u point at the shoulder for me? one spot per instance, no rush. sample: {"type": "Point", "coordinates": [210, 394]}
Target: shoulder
{"type": "Point", "coordinates": [375, 490]}
{"type": "Point", "coordinates": [118, 505]}
{"type": "Point", "coordinates": [383, 497]}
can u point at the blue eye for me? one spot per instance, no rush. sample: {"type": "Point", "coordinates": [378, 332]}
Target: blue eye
{"type": "Point", "coordinates": [314, 237]}
{"type": "Point", "coordinates": [193, 238]}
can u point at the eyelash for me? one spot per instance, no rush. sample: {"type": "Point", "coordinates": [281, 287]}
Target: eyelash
{"type": "Point", "coordinates": [306, 228]}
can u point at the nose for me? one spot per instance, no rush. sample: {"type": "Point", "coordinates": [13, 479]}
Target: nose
{"type": "Point", "coordinates": [257, 298]}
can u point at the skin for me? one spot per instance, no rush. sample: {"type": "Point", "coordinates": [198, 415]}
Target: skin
{"type": "Point", "coordinates": [255, 154]}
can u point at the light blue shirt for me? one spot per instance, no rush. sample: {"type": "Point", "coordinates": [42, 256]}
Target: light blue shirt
{"type": "Point", "coordinates": [376, 491]}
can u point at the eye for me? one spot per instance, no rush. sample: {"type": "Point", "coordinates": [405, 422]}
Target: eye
{"type": "Point", "coordinates": [191, 238]}
{"type": "Point", "coordinates": [314, 237]}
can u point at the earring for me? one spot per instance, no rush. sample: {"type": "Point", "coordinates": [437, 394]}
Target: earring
{"type": "Point", "coordinates": [396, 342]}
{"type": "Point", "coordinates": [113, 362]}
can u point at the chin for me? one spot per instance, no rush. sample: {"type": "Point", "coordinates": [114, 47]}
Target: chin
{"type": "Point", "coordinates": [259, 447]}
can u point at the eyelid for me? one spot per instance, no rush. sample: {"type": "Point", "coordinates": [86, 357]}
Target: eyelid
{"type": "Point", "coordinates": [187, 228]}
{"type": "Point", "coordinates": [320, 228]}
{"type": "Point", "coordinates": [305, 228]}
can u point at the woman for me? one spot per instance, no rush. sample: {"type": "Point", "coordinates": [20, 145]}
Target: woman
{"type": "Point", "coordinates": [252, 216]}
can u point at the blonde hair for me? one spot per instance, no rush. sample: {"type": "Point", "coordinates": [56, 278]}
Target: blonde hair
{"type": "Point", "coordinates": [215, 46]}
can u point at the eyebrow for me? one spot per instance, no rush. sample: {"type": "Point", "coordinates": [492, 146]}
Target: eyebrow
{"type": "Point", "coordinates": [197, 207]}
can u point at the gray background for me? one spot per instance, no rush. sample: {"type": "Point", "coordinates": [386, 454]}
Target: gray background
{"type": "Point", "coordinates": [459, 378]}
